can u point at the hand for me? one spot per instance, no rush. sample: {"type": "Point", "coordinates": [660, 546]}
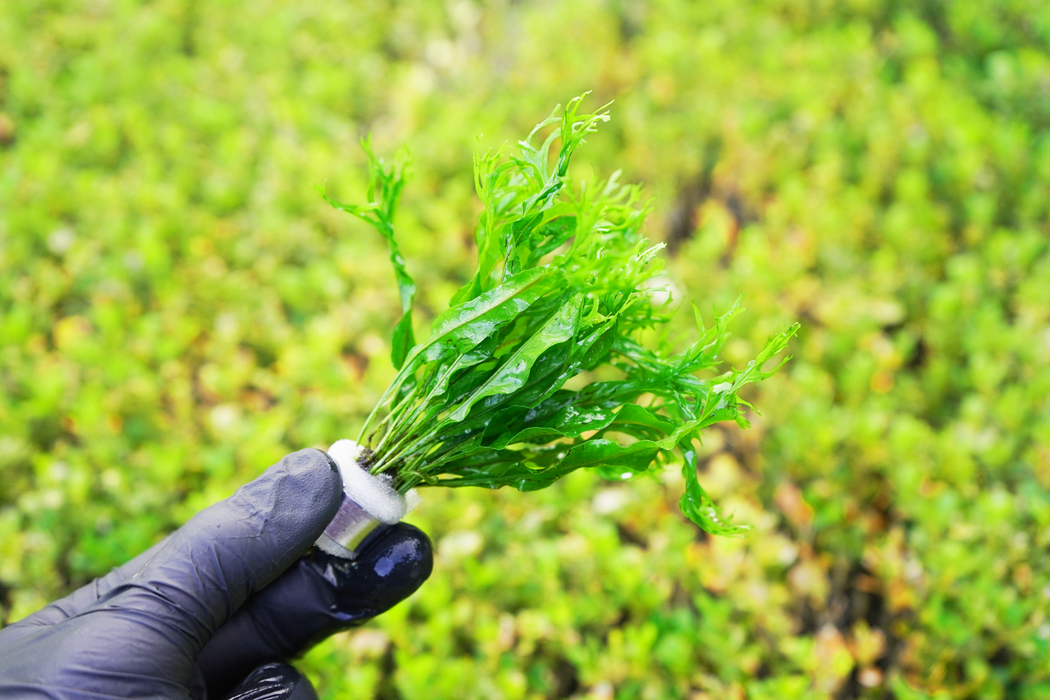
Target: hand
{"type": "Point", "coordinates": [224, 601]}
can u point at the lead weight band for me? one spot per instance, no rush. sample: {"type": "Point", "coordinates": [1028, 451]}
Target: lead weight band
{"type": "Point", "coordinates": [350, 530]}
{"type": "Point", "coordinates": [370, 506]}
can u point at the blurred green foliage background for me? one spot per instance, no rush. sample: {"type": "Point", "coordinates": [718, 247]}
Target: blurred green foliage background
{"type": "Point", "coordinates": [179, 308]}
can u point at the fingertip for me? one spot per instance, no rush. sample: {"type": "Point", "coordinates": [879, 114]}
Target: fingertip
{"type": "Point", "coordinates": [293, 501]}
{"type": "Point", "coordinates": [404, 552]}
{"type": "Point", "coordinates": [274, 681]}
{"type": "Point", "coordinates": [331, 462]}
{"type": "Point", "coordinates": [296, 498]}
{"type": "Point", "coordinates": [390, 570]}
{"type": "Point", "coordinates": [314, 475]}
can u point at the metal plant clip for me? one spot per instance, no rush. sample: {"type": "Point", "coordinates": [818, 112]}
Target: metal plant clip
{"type": "Point", "coordinates": [370, 505]}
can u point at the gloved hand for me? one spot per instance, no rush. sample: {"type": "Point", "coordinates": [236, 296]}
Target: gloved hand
{"type": "Point", "coordinates": [224, 601]}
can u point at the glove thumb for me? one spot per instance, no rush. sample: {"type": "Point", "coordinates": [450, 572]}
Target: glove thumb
{"type": "Point", "coordinates": [223, 555]}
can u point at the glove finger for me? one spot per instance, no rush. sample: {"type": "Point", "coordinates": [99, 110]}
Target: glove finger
{"type": "Point", "coordinates": [77, 601]}
{"type": "Point", "coordinates": [274, 682]}
{"type": "Point", "coordinates": [317, 597]}
{"type": "Point", "coordinates": [225, 553]}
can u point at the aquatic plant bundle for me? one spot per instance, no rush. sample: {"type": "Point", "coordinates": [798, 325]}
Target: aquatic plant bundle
{"type": "Point", "coordinates": [563, 289]}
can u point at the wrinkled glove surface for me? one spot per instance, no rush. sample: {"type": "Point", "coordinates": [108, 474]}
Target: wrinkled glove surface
{"type": "Point", "coordinates": [215, 610]}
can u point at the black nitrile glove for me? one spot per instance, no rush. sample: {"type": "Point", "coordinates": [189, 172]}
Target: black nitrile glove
{"type": "Point", "coordinates": [216, 609]}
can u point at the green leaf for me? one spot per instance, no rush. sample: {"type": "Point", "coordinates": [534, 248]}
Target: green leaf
{"type": "Point", "coordinates": [385, 184]}
{"type": "Point", "coordinates": [533, 476]}
{"type": "Point", "coordinates": [599, 452]}
{"type": "Point", "coordinates": [513, 373]}
{"type": "Point", "coordinates": [462, 327]}
{"type": "Point", "coordinates": [697, 505]}
{"type": "Point", "coordinates": [571, 421]}
{"type": "Point", "coordinates": [402, 340]}
{"type": "Point", "coordinates": [633, 414]}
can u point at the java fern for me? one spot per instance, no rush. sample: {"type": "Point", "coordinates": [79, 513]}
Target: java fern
{"type": "Point", "coordinates": [559, 291]}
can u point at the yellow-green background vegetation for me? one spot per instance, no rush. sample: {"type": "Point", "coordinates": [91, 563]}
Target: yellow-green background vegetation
{"type": "Point", "coordinates": [179, 308]}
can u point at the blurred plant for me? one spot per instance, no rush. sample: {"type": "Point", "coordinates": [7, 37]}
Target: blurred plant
{"type": "Point", "coordinates": [177, 311]}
